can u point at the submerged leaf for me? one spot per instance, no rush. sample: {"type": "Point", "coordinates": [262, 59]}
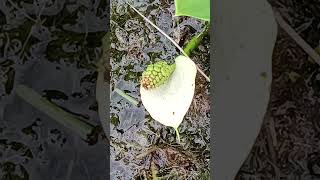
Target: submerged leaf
{"type": "Point", "coordinates": [127, 97]}
{"type": "Point", "coordinates": [82, 127]}
{"type": "Point", "coordinates": [169, 102]}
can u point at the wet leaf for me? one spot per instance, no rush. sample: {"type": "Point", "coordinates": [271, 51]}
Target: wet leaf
{"type": "Point", "coordinates": [102, 88]}
{"type": "Point", "coordinates": [169, 102]}
{"type": "Point", "coordinates": [102, 93]}
{"type": "Point", "coordinates": [198, 9]}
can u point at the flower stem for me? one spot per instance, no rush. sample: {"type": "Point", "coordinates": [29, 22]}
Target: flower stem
{"type": "Point", "coordinates": [178, 134]}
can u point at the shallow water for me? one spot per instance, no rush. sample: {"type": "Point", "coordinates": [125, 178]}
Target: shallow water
{"type": "Point", "coordinates": [50, 46]}
{"type": "Point", "coordinates": [137, 141]}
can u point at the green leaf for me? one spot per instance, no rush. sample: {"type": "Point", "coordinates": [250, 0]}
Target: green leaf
{"type": "Point", "coordinates": [194, 8]}
{"type": "Point", "coordinates": [169, 102]}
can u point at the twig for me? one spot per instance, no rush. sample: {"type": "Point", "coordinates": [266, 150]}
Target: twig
{"type": "Point", "coordinates": [142, 155]}
{"type": "Point", "coordinates": [22, 11]}
{"type": "Point", "coordinates": [295, 36]}
{"type": "Point", "coordinates": [160, 30]}
{"type": "Point", "coordinates": [167, 36]}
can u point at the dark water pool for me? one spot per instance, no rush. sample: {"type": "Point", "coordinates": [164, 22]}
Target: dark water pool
{"type": "Point", "coordinates": [51, 46]}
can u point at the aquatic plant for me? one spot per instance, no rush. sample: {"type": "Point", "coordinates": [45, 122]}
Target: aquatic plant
{"type": "Point", "coordinates": [169, 102]}
{"type": "Point", "coordinates": [156, 74]}
{"type": "Point", "coordinates": [167, 90]}
{"type": "Point", "coordinates": [167, 95]}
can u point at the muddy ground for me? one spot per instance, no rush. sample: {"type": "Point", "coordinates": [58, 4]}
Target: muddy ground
{"type": "Point", "coordinates": [288, 146]}
{"type": "Point", "coordinates": [51, 47]}
{"type": "Point", "coordinates": [137, 141]}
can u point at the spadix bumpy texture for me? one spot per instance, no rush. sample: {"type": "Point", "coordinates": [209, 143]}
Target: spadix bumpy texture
{"type": "Point", "coordinates": [168, 101]}
{"type": "Point", "coordinates": [156, 74]}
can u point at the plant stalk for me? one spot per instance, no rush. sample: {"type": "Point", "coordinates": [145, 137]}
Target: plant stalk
{"type": "Point", "coordinates": [178, 134]}
{"type": "Point", "coordinates": [195, 41]}
{"type": "Point", "coordinates": [127, 97]}
{"type": "Point", "coordinates": [84, 129]}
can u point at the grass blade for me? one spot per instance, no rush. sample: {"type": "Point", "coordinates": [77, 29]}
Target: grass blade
{"type": "Point", "coordinates": [127, 97]}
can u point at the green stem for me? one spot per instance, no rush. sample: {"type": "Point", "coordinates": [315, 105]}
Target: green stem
{"type": "Point", "coordinates": [81, 127]}
{"type": "Point", "coordinates": [195, 41]}
{"type": "Point", "coordinates": [178, 135]}
{"type": "Point", "coordinates": [127, 97]}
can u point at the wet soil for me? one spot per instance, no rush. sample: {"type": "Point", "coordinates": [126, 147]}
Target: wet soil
{"type": "Point", "coordinates": [287, 147]}
{"type": "Point", "coordinates": [139, 143]}
{"type": "Point", "coordinates": [52, 47]}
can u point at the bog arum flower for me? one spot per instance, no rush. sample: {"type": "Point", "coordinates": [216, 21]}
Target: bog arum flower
{"type": "Point", "coordinates": [156, 74]}
{"type": "Point", "coordinates": [167, 90]}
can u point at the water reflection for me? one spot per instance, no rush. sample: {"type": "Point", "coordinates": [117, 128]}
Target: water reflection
{"type": "Point", "coordinates": [51, 46]}
{"type": "Point", "coordinates": [137, 141]}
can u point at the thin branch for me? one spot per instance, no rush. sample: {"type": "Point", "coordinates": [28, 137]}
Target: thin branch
{"type": "Point", "coordinates": [22, 11]}
{"type": "Point", "coordinates": [295, 36]}
{"type": "Point", "coordinates": [167, 36]}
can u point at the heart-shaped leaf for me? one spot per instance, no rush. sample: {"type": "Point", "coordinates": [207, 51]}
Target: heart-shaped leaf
{"type": "Point", "coordinates": [169, 102]}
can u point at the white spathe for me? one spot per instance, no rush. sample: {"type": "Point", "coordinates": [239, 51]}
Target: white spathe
{"type": "Point", "coordinates": [169, 102]}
